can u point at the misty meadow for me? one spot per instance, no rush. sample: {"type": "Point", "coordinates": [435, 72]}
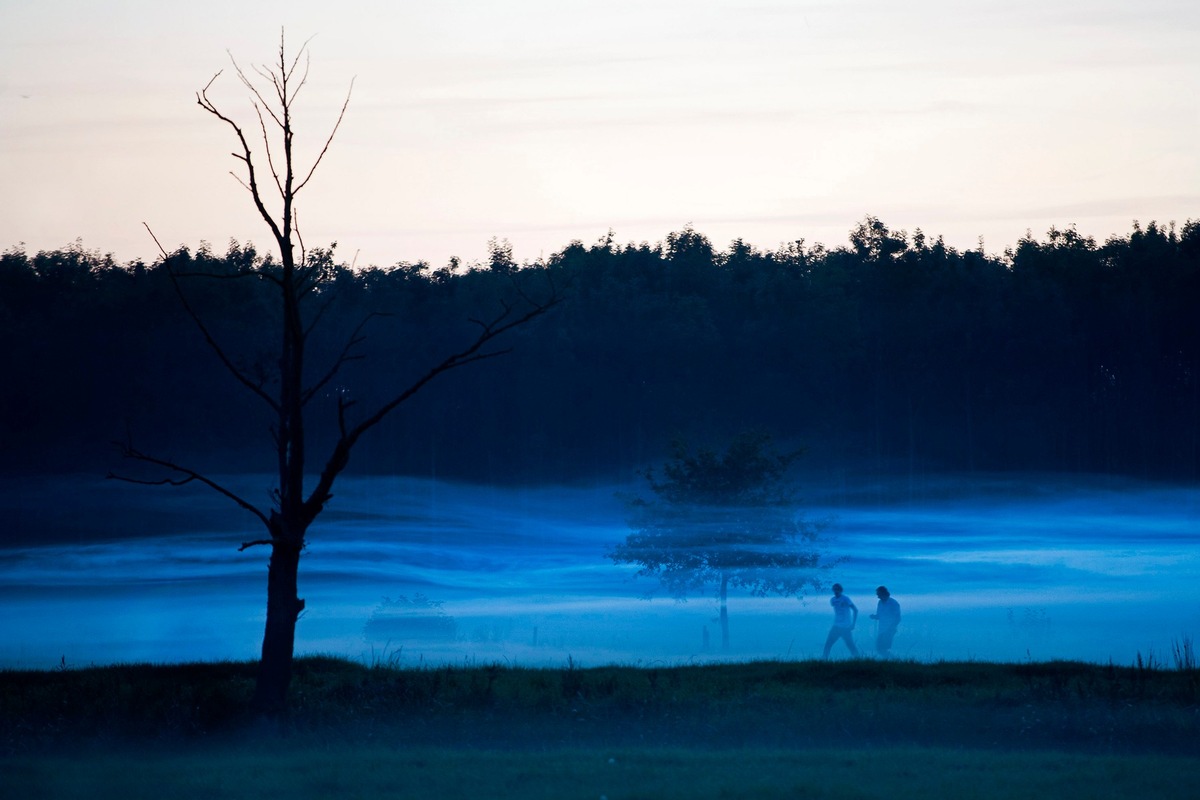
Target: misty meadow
{"type": "Point", "coordinates": [414, 572]}
{"type": "Point", "coordinates": [1010, 442]}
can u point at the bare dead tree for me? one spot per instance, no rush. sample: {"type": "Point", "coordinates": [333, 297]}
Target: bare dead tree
{"type": "Point", "coordinates": [273, 92]}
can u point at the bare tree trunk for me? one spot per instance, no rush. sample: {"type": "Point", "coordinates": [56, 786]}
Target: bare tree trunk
{"type": "Point", "coordinates": [724, 612]}
{"type": "Point", "coordinates": [279, 638]}
{"type": "Point", "coordinates": [296, 278]}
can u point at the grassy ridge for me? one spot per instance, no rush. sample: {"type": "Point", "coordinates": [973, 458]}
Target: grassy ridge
{"type": "Point", "coordinates": [1055, 705]}
{"type": "Point", "coordinates": [846, 729]}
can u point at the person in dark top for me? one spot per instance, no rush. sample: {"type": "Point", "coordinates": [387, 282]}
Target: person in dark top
{"type": "Point", "coordinates": [887, 613]}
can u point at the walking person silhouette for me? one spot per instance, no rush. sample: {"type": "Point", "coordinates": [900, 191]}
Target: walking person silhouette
{"type": "Point", "coordinates": [845, 617]}
{"type": "Point", "coordinates": [887, 612]}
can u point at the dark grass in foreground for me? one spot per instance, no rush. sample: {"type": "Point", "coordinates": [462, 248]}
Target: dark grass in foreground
{"type": "Point", "coordinates": [767, 729]}
{"type": "Point", "coordinates": [1052, 705]}
{"type": "Point", "coordinates": [378, 771]}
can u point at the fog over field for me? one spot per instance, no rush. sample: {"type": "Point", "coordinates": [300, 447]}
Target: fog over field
{"type": "Point", "coordinates": [423, 572]}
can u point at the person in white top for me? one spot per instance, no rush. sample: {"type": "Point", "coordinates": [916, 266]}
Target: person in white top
{"type": "Point", "coordinates": [888, 614]}
{"type": "Point", "coordinates": [845, 617]}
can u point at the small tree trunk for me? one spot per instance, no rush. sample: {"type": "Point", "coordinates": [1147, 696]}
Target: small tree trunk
{"type": "Point", "coordinates": [724, 613]}
{"type": "Point", "coordinates": [283, 609]}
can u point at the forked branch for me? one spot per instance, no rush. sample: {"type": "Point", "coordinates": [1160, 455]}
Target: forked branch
{"type": "Point", "coordinates": [188, 476]}
{"type": "Point", "coordinates": [347, 355]}
{"type": "Point", "coordinates": [474, 352]}
{"type": "Point", "coordinates": [245, 156]}
{"type": "Point", "coordinates": [286, 85]}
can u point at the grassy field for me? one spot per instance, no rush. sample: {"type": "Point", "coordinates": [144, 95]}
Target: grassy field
{"type": "Point", "coordinates": [446, 774]}
{"type": "Point", "coordinates": [767, 729]}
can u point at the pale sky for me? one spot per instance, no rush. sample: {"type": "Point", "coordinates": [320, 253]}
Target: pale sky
{"type": "Point", "coordinates": [544, 121]}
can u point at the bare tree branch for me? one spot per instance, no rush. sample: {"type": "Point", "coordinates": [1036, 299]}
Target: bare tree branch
{"type": "Point", "coordinates": [507, 309]}
{"type": "Point", "coordinates": [312, 325]}
{"type": "Point", "coordinates": [356, 338]}
{"type": "Point", "coordinates": [299, 237]}
{"type": "Point", "coordinates": [203, 101]}
{"type": "Point", "coordinates": [262, 125]}
{"type": "Point", "coordinates": [259, 100]}
{"type": "Point", "coordinates": [238, 178]}
{"type": "Point", "coordinates": [343, 406]}
{"type": "Point", "coordinates": [190, 475]}
{"type": "Point", "coordinates": [340, 457]}
{"type": "Point", "coordinates": [241, 377]}
{"type": "Point", "coordinates": [303, 50]}
{"type": "Point", "coordinates": [519, 289]}
{"type": "Point", "coordinates": [329, 140]}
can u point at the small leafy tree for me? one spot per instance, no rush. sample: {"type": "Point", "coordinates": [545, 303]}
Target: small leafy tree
{"type": "Point", "coordinates": [721, 520]}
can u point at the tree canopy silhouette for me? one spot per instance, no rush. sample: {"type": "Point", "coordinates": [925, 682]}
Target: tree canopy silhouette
{"type": "Point", "coordinates": [721, 520]}
{"type": "Point", "coordinates": [1061, 353]}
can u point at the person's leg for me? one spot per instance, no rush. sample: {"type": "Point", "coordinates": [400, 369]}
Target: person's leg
{"type": "Point", "coordinates": [884, 643]}
{"type": "Point", "coordinates": [829, 640]}
{"type": "Point", "coordinates": [849, 637]}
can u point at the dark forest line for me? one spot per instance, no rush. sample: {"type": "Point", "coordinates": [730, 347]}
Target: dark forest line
{"type": "Point", "coordinates": [892, 351]}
